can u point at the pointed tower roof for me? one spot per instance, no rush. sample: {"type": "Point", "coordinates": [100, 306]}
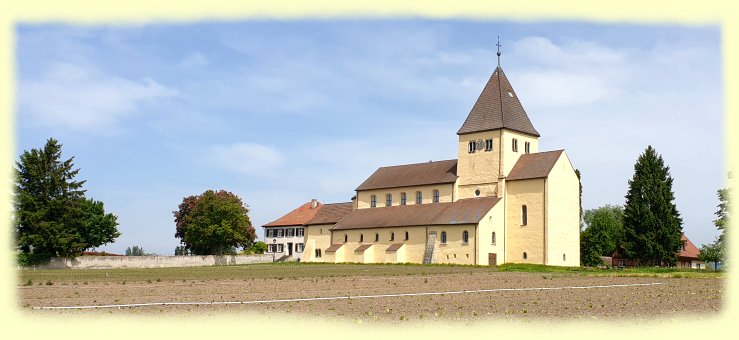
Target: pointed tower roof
{"type": "Point", "coordinates": [498, 107]}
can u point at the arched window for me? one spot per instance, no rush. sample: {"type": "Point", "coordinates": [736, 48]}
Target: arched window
{"type": "Point", "coordinates": [406, 236]}
{"type": "Point", "coordinates": [443, 237]}
{"type": "Point", "coordinates": [493, 238]}
{"type": "Point", "coordinates": [346, 238]}
{"type": "Point", "coordinates": [392, 236]}
{"type": "Point", "coordinates": [525, 256]}
{"type": "Point", "coordinates": [436, 196]}
{"type": "Point", "coordinates": [524, 213]}
{"type": "Point", "coordinates": [373, 201]}
{"type": "Point", "coordinates": [419, 197]}
{"type": "Point", "coordinates": [465, 236]}
{"type": "Point", "coordinates": [564, 257]}
{"type": "Point", "coordinates": [402, 198]}
{"type": "Point", "coordinates": [361, 238]}
{"type": "Point", "coordinates": [388, 200]}
{"type": "Point", "coordinates": [377, 237]}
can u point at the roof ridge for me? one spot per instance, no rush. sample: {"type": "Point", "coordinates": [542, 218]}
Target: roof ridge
{"type": "Point", "coordinates": [419, 163]}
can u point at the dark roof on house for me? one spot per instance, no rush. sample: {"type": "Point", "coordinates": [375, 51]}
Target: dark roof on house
{"type": "Point", "coordinates": [465, 211]}
{"type": "Point", "coordinates": [498, 107]}
{"type": "Point", "coordinates": [334, 247]}
{"type": "Point", "coordinates": [331, 213]}
{"type": "Point", "coordinates": [363, 247]}
{"type": "Point", "coordinates": [394, 246]}
{"type": "Point", "coordinates": [299, 216]}
{"type": "Point", "coordinates": [534, 165]}
{"type": "Point", "coordinates": [412, 174]}
{"type": "Point", "coordinates": [690, 249]}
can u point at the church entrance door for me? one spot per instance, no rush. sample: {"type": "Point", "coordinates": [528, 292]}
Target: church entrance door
{"type": "Point", "coordinates": [492, 259]}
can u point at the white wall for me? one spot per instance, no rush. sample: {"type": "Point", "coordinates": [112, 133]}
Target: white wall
{"type": "Point", "coordinates": [105, 262]}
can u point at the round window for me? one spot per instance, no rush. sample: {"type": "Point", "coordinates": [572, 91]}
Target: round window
{"type": "Point", "coordinates": [477, 192]}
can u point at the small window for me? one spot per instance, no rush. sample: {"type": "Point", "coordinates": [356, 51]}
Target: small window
{"type": "Point", "coordinates": [514, 145]}
{"type": "Point", "coordinates": [377, 237]}
{"type": "Point", "coordinates": [280, 248]}
{"type": "Point", "coordinates": [290, 232]}
{"type": "Point", "coordinates": [406, 236]}
{"type": "Point", "coordinates": [488, 145]}
{"type": "Point", "coordinates": [373, 201]}
{"type": "Point", "coordinates": [402, 198]}
{"type": "Point", "coordinates": [300, 232]}
{"type": "Point", "coordinates": [471, 146]}
{"type": "Point", "coordinates": [477, 192]}
{"type": "Point", "coordinates": [392, 236]}
{"type": "Point", "coordinates": [527, 147]}
{"type": "Point", "coordinates": [419, 197]}
{"type": "Point", "coordinates": [493, 238]}
{"type": "Point", "coordinates": [564, 257]}
{"type": "Point", "coordinates": [465, 237]}
{"type": "Point", "coordinates": [320, 231]}
{"type": "Point", "coordinates": [298, 247]}
{"type": "Point", "coordinates": [525, 256]}
{"type": "Point", "coordinates": [280, 232]}
{"type": "Point", "coordinates": [270, 248]}
{"type": "Point", "coordinates": [388, 200]}
{"type": "Point", "coordinates": [346, 238]}
{"type": "Point", "coordinates": [318, 252]}
{"type": "Point", "coordinates": [443, 237]}
{"type": "Point", "coordinates": [436, 196]}
{"type": "Point", "coordinates": [510, 94]}
{"type": "Point", "coordinates": [524, 217]}
{"type": "Point", "coordinates": [361, 238]}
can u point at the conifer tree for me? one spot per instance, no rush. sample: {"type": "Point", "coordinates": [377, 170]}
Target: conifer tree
{"type": "Point", "coordinates": [52, 216]}
{"type": "Point", "coordinates": [652, 224]}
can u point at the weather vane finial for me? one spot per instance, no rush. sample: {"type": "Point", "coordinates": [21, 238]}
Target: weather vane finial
{"type": "Point", "coordinates": [498, 44]}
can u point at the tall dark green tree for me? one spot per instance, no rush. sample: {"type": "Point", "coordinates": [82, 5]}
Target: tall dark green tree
{"type": "Point", "coordinates": [652, 224]}
{"type": "Point", "coordinates": [579, 180]}
{"type": "Point", "coordinates": [213, 223]}
{"type": "Point", "coordinates": [604, 232]}
{"type": "Point", "coordinates": [52, 216]}
{"type": "Point", "coordinates": [722, 215]}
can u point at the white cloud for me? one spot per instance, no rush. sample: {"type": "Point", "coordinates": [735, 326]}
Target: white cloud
{"type": "Point", "coordinates": [194, 59]}
{"type": "Point", "coordinates": [561, 88]}
{"type": "Point", "coordinates": [245, 158]}
{"type": "Point", "coordinates": [80, 98]}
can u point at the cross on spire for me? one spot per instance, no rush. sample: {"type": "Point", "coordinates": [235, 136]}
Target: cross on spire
{"type": "Point", "coordinates": [499, 45]}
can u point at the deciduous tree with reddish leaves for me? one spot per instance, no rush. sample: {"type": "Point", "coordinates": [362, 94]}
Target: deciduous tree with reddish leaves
{"type": "Point", "coordinates": [213, 223]}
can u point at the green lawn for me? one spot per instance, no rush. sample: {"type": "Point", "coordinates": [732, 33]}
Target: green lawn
{"type": "Point", "coordinates": [296, 270]}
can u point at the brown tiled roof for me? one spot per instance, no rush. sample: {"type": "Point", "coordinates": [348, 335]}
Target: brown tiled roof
{"type": "Point", "coordinates": [331, 213]}
{"type": "Point", "coordinates": [534, 165]}
{"type": "Point", "coordinates": [690, 249]}
{"type": "Point", "coordinates": [412, 174]}
{"type": "Point", "coordinates": [465, 211]}
{"type": "Point", "coordinates": [363, 247]}
{"type": "Point", "coordinates": [334, 247]}
{"type": "Point", "coordinates": [394, 246]}
{"type": "Point", "coordinates": [497, 109]}
{"type": "Point", "coordinates": [299, 216]}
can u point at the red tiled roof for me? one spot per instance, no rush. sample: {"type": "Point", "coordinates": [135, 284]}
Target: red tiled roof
{"type": "Point", "coordinates": [498, 107]}
{"type": "Point", "coordinates": [394, 246]}
{"type": "Point", "coordinates": [690, 249]}
{"type": "Point", "coordinates": [363, 247]}
{"type": "Point", "coordinates": [464, 211]}
{"type": "Point", "coordinates": [334, 247]}
{"type": "Point", "coordinates": [534, 165]}
{"type": "Point", "coordinates": [299, 216]}
{"type": "Point", "coordinates": [411, 175]}
{"type": "Point", "coordinates": [331, 213]}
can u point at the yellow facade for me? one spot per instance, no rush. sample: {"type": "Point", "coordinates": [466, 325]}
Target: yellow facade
{"type": "Point", "coordinates": [427, 193]}
{"type": "Point", "coordinates": [563, 215]}
{"type": "Point", "coordinates": [526, 238]}
{"type": "Point", "coordinates": [316, 237]}
{"type": "Point", "coordinates": [510, 157]}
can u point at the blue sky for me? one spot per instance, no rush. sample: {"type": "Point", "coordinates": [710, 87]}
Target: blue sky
{"type": "Point", "coordinates": [280, 112]}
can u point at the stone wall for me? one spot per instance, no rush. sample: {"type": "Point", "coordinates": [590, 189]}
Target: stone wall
{"type": "Point", "coordinates": [109, 262]}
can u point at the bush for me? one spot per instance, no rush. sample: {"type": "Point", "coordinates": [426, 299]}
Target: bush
{"type": "Point", "coordinates": [32, 259]}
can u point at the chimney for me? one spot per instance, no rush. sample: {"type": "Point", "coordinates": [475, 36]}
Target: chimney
{"type": "Point", "coordinates": [313, 203]}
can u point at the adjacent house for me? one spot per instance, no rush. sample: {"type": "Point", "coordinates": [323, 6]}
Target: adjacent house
{"type": "Point", "coordinates": [687, 257]}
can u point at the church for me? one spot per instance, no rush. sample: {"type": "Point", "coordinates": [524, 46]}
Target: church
{"type": "Point", "coordinates": [501, 201]}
